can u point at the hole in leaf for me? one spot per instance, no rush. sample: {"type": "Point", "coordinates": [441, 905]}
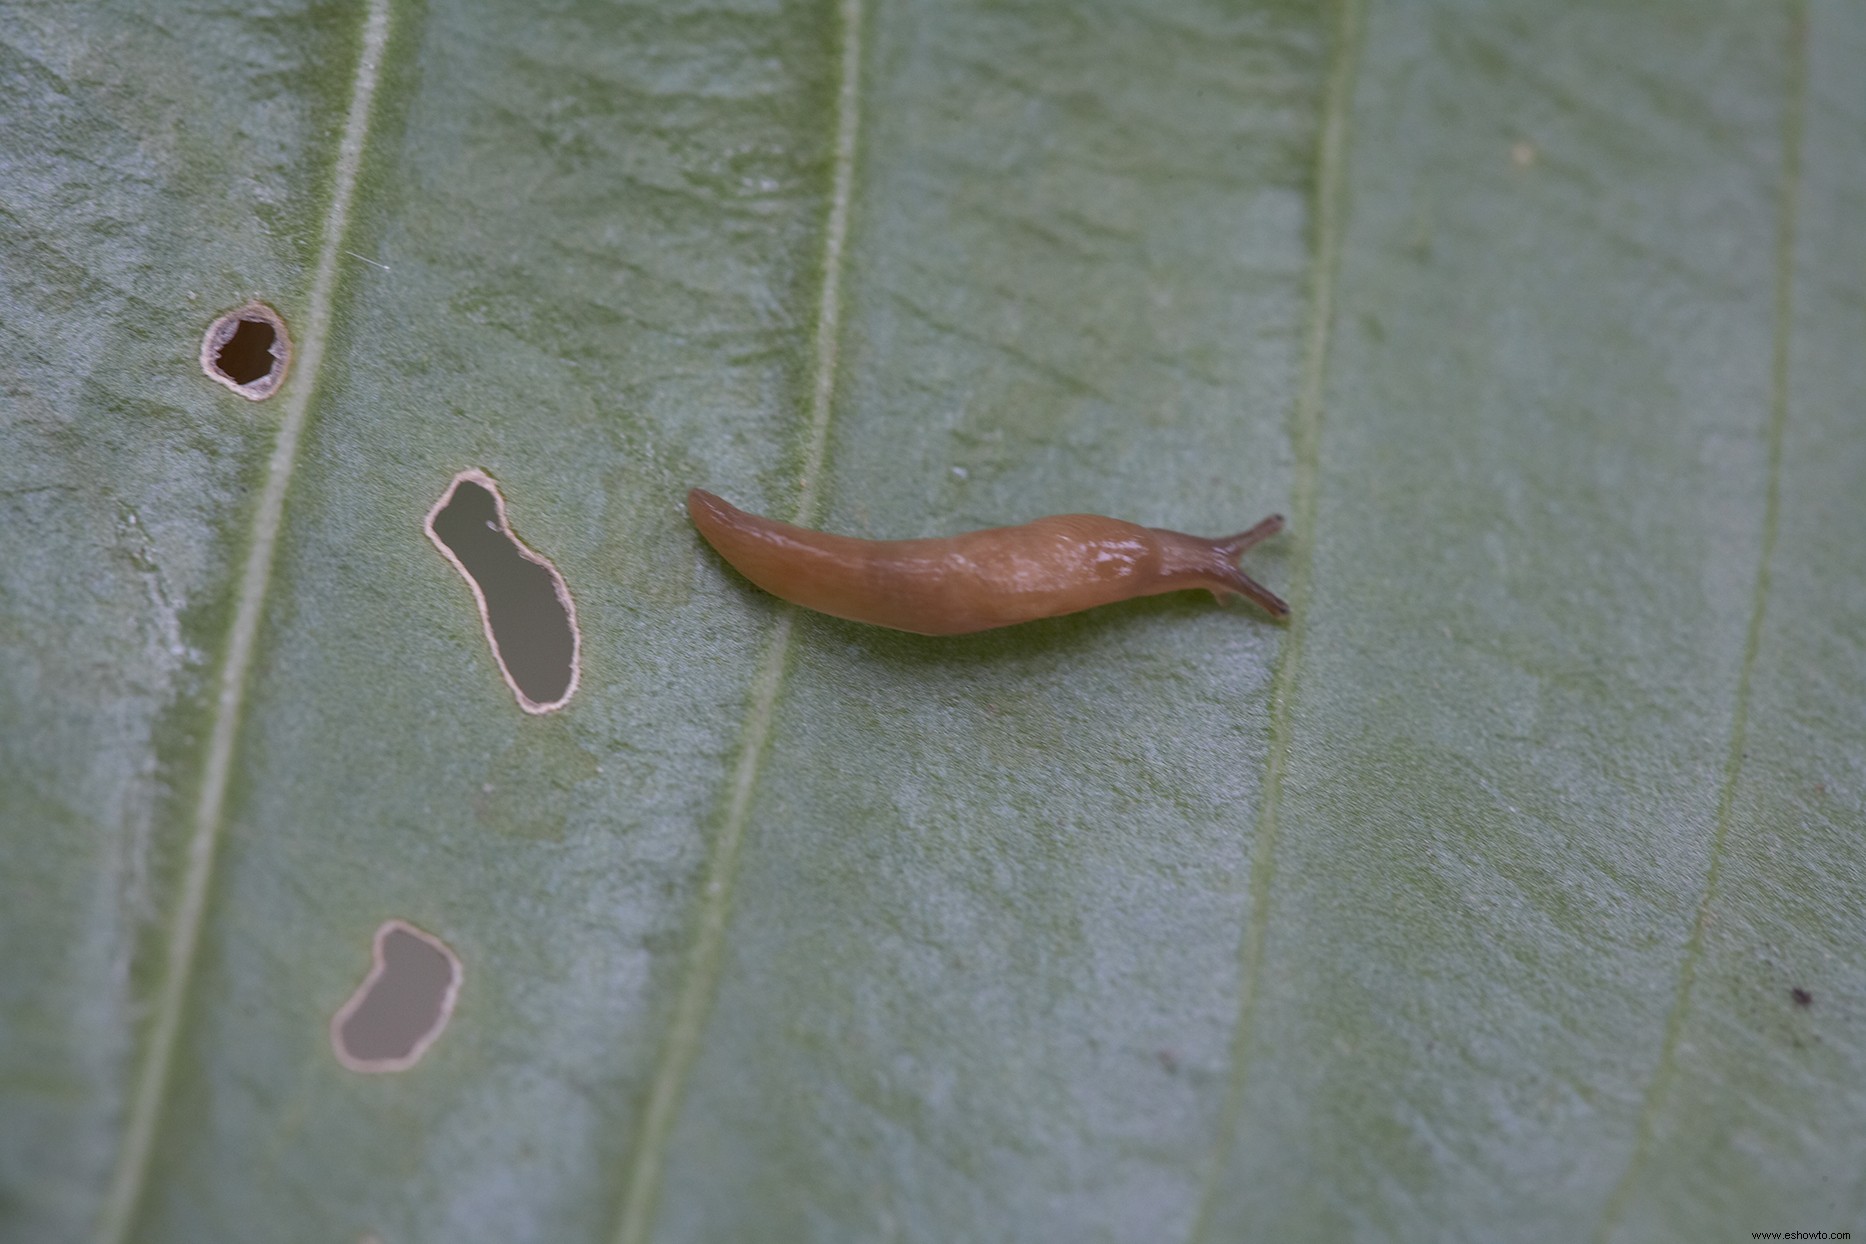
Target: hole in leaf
{"type": "Point", "coordinates": [248, 355]}
{"type": "Point", "coordinates": [402, 1005]}
{"type": "Point", "coordinates": [527, 612]}
{"type": "Point", "coordinates": [248, 350]}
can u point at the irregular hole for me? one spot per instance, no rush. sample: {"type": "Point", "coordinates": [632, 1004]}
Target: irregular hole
{"type": "Point", "coordinates": [401, 1006]}
{"type": "Point", "coordinates": [248, 350]}
{"type": "Point", "coordinates": [530, 620]}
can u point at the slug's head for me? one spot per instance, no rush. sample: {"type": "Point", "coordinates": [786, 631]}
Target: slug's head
{"type": "Point", "coordinates": [1232, 579]}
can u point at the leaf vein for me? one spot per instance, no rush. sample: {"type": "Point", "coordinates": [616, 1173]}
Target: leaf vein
{"type": "Point", "coordinates": [701, 979]}
{"type": "Point", "coordinates": [1306, 433]}
{"type": "Point", "coordinates": [155, 1072]}
{"type": "Point", "coordinates": [1666, 1068]}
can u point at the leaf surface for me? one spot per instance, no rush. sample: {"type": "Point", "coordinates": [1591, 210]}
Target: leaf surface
{"type": "Point", "coordinates": [1512, 892]}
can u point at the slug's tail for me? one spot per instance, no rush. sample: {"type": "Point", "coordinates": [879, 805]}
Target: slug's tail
{"type": "Point", "coordinates": [1233, 547]}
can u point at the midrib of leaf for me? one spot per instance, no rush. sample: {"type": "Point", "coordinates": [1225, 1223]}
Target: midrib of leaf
{"type": "Point", "coordinates": [701, 977]}
{"type": "Point", "coordinates": [153, 1076]}
{"type": "Point", "coordinates": [1666, 1068]}
{"type": "Point", "coordinates": [1331, 157]}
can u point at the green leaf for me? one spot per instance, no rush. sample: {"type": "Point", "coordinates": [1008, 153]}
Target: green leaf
{"type": "Point", "coordinates": [1514, 891]}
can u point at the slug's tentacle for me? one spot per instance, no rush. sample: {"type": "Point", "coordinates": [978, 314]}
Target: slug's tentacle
{"type": "Point", "coordinates": [982, 579]}
{"type": "Point", "coordinates": [1235, 547]}
{"type": "Point", "coordinates": [1242, 584]}
{"type": "Point", "coordinates": [1212, 564]}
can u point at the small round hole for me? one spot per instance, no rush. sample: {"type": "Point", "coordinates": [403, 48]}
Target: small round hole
{"type": "Point", "coordinates": [248, 355]}
{"type": "Point", "coordinates": [248, 350]}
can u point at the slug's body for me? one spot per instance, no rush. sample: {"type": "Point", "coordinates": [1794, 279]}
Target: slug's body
{"type": "Point", "coordinates": [954, 585]}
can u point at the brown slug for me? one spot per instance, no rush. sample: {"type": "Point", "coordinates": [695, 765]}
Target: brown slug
{"type": "Point", "coordinates": [953, 585]}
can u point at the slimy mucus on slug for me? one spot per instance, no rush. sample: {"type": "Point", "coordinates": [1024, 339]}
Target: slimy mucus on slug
{"type": "Point", "coordinates": [953, 585]}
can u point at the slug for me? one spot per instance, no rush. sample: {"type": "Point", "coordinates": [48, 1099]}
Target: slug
{"type": "Point", "coordinates": [954, 585]}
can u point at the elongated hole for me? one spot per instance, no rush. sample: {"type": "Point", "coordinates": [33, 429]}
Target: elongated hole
{"type": "Point", "coordinates": [528, 616]}
{"type": "Point", "coordinates": [402, 1005]}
